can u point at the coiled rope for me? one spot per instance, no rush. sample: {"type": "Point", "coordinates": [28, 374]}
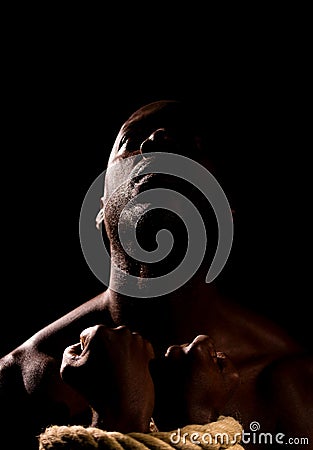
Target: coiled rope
{"type": "Point", "coordinates": [225, 433]}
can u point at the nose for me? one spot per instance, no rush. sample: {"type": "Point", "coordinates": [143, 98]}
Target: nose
{"type": "Point", "coordinates": [158, 141]}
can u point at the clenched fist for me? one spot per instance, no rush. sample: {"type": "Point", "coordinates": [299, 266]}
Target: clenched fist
{"type": "Point", "coordinates": [193, 384]}
{"type": "Point", "coordinates": [110, 367]}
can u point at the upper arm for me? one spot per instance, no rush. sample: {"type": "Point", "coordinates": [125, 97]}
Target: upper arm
{"type": "Point", "coordinates": [32, 394]}
{"type": "Point", "coordinates": [13, 397]}
{"type": "Point", "coordinates": [11, 382]}
{"type": "Point", "coordinates": [18, 413]}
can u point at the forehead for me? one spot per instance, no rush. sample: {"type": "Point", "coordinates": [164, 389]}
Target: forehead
{"type": "Point", "coordinates": [169, 114]}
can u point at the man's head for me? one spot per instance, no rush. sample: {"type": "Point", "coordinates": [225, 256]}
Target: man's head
{"type": "Point", "coordinates": [160, 127]}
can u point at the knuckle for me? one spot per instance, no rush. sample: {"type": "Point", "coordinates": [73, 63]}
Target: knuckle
{"type": "Point", "coordinates": [121, 330]}
{"type": "Point", "coordinates": [99, 329]}
{"type": "Point", "coordinates": [94, 337]}
{"type": "Point", "coordinates": [136, 335]}
{"type": "Point", "coordinates": [174, 352]}
{"type": "Point", "coordinates": [204, 340]}
{"type": "Point", "coordinates": [196, 349]}
{"type": "Point", "coordinates": [71, 355]}
{"type": "Point", "coordinates": [202, 347]}
{"type": "Point", "coordinates": [88, 333]}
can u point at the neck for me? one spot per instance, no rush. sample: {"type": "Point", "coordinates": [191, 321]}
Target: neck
{"type": "Point", "coordinates": [166, 319]}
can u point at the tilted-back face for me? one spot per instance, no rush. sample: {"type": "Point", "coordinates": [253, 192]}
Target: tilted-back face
{"type": "Point", "coordinates": [166, 126]}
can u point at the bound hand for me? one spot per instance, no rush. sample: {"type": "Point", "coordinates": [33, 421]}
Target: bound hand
{"type": "Point", "coordinates": [110, 367]}
{"type": "Point", "coordinates": [193, 384]}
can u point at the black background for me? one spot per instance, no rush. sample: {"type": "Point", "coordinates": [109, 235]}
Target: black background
{"type": "Point", "coordinates": [68, 88]}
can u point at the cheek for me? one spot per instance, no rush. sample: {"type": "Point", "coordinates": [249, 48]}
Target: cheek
{"type": "Point", "coordinates": [112, 213]}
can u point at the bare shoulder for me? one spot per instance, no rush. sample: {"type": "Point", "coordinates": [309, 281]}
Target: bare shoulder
{"type": "Point", "coordinates": [42, 352]}
{"type": "Point", "coordinates": [32, 392]}
{"type": "Point", "coordinates": [66, 330]}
